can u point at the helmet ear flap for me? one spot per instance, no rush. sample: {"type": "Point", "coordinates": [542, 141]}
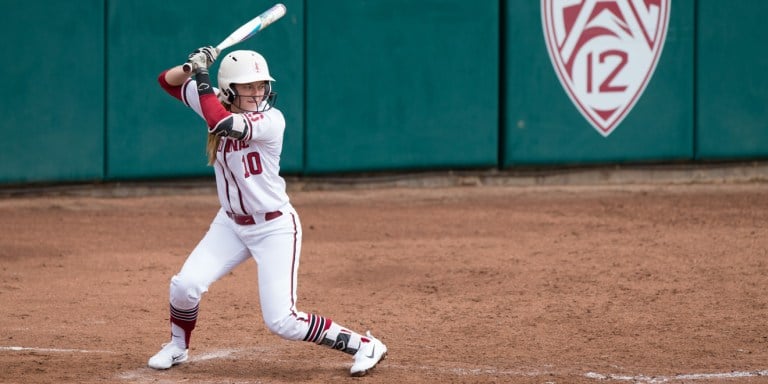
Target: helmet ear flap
{"type": "Point", "coordinates": [230, 94]}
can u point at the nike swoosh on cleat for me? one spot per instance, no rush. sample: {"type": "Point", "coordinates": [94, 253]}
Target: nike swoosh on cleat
{"type": "Point", "coordinates": [372, 352]}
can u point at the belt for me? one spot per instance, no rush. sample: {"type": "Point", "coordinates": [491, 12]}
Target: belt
{"type": "Point", "coordinates": [250, 220]}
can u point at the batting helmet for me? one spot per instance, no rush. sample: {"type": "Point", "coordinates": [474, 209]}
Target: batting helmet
{"type": "Point", "coordinates": [242, 67]}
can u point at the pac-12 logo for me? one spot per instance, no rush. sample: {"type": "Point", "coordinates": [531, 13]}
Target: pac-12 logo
{"type": "Point", "coordinates": [604, 52]}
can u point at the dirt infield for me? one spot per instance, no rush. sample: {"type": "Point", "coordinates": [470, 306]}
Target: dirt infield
{"type": "Point", "coordinates": [504, 284]}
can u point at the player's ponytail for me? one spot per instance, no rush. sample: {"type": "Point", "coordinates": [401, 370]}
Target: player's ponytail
{"type": "Point", "coordinates": [211, 146]}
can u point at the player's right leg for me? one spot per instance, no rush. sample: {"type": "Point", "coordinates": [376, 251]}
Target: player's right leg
{"type": "Point", "coordinates": [218, 252]}
{"type": "Point", "coordinates": [277, 256]}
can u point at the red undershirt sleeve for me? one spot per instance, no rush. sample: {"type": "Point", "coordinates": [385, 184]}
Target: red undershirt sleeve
{"type": "Point", "coordinates": [174, 91]}
{"type": "Point", "coordinates": [213, 111]}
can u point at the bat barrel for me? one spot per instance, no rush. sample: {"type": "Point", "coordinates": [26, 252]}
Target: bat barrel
{"type": "Point", "coordinates": [253, 26]}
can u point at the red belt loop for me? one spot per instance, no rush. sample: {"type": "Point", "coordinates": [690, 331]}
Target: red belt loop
{"type": "Point", "coordinates": [250, 220]}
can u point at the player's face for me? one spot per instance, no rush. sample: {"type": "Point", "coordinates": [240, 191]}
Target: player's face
{"type": "Point", "coordinates": [250, 94]}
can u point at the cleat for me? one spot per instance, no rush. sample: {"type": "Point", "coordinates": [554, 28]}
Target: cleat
{"type": "Point", "coordinates": [168, 356]}
{"type": "Point", "coordinates": [368, 356]}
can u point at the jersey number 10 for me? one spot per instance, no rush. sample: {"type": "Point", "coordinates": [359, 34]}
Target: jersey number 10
{"type": "Point", "coordinates": [252, 164]}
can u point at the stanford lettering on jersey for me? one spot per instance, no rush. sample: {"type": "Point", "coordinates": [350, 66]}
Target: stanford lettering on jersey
{"type": "Point", "coordinates": [228, 146]}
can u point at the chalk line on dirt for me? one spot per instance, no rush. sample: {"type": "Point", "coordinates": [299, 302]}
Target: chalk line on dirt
{"type": "Point", "coordinates": [51, 350]}
{"type": "Point", "coordinates": [666, 379]}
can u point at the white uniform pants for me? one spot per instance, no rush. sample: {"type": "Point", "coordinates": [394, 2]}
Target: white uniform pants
{"type": "Point", "coordinates": [276, 247]}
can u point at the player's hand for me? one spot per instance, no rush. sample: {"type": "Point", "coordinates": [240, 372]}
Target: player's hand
{"type": "Point", "coordinates": [201, 58]}
{"type": "Point", "coordinates": [210, 52]}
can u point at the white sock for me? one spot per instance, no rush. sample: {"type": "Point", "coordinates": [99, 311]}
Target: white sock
{"type": "Point", "coordinates": [177, 336]}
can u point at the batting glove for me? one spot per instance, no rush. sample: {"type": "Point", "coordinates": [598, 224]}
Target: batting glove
{"type": "Point", "coordinates": [201, 58]}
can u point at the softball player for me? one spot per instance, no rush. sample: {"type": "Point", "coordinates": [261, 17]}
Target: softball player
{"type": "Point", "coordinates": [256, 218]}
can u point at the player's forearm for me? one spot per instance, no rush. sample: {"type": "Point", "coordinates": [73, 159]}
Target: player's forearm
{"type": "Point", "coordinates": [176, 76]}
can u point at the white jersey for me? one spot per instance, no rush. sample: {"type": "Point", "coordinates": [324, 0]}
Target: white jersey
{"type": "Point", "coordinates": [248, 177]}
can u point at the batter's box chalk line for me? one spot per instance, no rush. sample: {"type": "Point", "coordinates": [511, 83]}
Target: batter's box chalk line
{"type": "Point", "coordinates": [667, 379]}
{"type": "Point", "coordinates": [50, 350]}
{"type": "Point", "coordinates": [219, 354]}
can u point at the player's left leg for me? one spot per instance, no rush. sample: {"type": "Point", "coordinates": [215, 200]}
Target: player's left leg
{"type": "Point", "coordinates": [277, 256]}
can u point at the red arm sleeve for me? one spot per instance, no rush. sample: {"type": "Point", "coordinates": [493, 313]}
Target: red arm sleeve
{"type": "Point", "coordinates": [174, 91]}
{"type": "Point", "coordinates": [213, 111]}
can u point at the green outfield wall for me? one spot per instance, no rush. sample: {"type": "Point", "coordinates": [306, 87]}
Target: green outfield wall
{"type": "Point", "coordinates": [731, 80]}
{"type": "Point", "coordinates": [390, 85]}
{"type": "Point", "coordinates": [402, 84]}
{"type": "Point", "coordinates": [53, 105]}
